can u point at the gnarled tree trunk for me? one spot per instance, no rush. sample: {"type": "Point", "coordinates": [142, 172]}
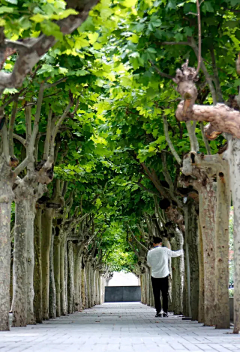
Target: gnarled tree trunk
{"type": "Point", "coordinates": [38, 265]}
{"type": "Point", "coordinates": [191, 233]}
{"type": "Point", "coordinates": [57, 274]}
{"type": "Point", "coordinates": [6, 196]}
{"type": "Point", "coordinates": [19, 303]}
{"type": "Point", "coordinates": [177, 274]}
{"type": "Point", "coordinates": [46, 245]}
{"type": "Point", "coordinates": [52, 286]}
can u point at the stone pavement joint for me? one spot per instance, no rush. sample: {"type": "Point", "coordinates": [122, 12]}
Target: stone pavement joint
{"type": "Point", "coordinates": [122, 327]}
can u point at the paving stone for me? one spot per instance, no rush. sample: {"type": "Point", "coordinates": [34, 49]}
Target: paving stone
{"type": "Point", "coordinates": [129, 327]}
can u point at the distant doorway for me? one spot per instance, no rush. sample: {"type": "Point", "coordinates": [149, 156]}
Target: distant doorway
{"type": "Point", "coordinates": [123, 279]}
{"type": "Point", "coordinates": [123, 287]}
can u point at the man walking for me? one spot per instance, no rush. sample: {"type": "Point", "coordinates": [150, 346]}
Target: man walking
{"type": "Point", "coordinates": [157, 259]}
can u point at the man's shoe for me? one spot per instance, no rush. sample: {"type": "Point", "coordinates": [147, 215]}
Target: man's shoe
{"type": "Point", "coordinates": [165, 315]}
{"type": "Point", "coordinates": [158, 315]}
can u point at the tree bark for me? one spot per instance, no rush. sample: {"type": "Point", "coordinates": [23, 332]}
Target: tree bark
{"type": "Point", "coordinates": [38, 266]}
{"type": "Point", "coordinates": [191, 230]}
{"type": "Point", "coordinates": [6, 196]}
{"type": "Point", "coordinates": [207, 206]}
{"type": "Point", "coordinates": [221, 117]}
{"type": "Point", "coordinates": [222, 250]}
{"type": "Point", "coordinates": [62, 277]}
{"type": "Point", "coordinates": [71, 295]}
{"type": "Point", "coordinates": [201, 276]}
{"type": "Point", "coordinates": [234, 162]}
{"type": "Point", "coordinates": [19, 303]}
{"type": "Point", "coordinates": [31, 204]}
{"type": "Point", "coordinates": [177, 275]}
{"type": "Point", "coordinates": [52, 286]}
{"type": "Point", "coordinates": [46, 245]}
{"type": "Point", "coordinates": [57, 274]}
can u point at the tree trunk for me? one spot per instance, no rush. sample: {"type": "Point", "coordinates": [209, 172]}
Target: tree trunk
{"type": "Point", "coordinates": [66, 275]}
{"type": "Point", "coordinates": [201, 277]}
{"type": "Point", "coordinates": [31, 203]}
{"type": "Point", "coordinates": [177, 275]}
{"type": "Point", "coordinates": [62, 277]}
{"type": "Point", "coordinates": [83, 290]}
{"type": "Point", "coordinates": [77, 277]}
{"type": "Point", "coordinates": [191, 233]}
{"type": "Point", "coordinates": [19, 303]}
{"type": "Point", "coordinates": [46, 245]}
{"type": "Point", "coordinates": [234, 162]}
{"type": "Point", "coordinates": [52, 287]}
{"type": "Point", "coordinates": [222, 250]}
{"type": "Point", "coordinates": [71, 296]}
{"type": "Point", "coordinates": [6, 196]}
{"type": "Point", "coordinates": [207, 206]}
{"type": "Point", "coordinates": [38, 266]}
{"type": "Point", "coordinates": [57, 274]}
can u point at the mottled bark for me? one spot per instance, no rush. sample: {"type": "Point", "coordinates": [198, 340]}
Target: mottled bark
{"type": "Point", "coordinates": [52, 286]}
{"type": "Point", "coordinates": [83, 291]}
{"type": "Point", "coordinates": [234, 162]}
{"type": "Point", "coordinates": [62, 278]}
{"type": "Point", "coordinates": [221, 117]}
{"type": "Point", "coordinates": [31, 203]}
{"type": "Point", "coordinates": [222, 250]}
{"type": "Point", "coordinates": [207, 207]}
{"type": "Point", "coordinates": [38, 266]}
{"type": "Point", "coordinates": [46, 245]}
{"type": "Point", "coordinates": [6, 196]}
{"type": "Point", "coordinates": [77, 277]}
{"type": "Point", "coordinates": [19, 303]}
{"type": "Point", "coordinates": [71, 293]}
{"type": "Point", "coordinates": [191, 234]}
{"type": "Point", "coordinates": [177, 275]}
{"type": "Point", "coordinates": [57, 274]}
{"type": "Point", "coordinates": [201, 276]}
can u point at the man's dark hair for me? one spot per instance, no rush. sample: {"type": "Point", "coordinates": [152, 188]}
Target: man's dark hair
{"type": "Point", "coordinates": [157, 239]}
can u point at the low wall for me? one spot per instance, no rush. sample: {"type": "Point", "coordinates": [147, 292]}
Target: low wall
{"type": "Point", "coordinates": [122, 294]}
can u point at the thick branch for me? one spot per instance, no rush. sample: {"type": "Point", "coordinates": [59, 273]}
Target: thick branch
{"type": "Point", "coordinates": [28, 117]}
{"type": "Point", "coordinates": [48, 136]}
{"type": "Point", "coordinates": [221, 117]}
{"type": "Point", "coordinates": [169, 142]}
{"type": "Point", "coordinates": [11, 127]}
{"type": "Point", "coordinates": [207, 146]}
{"type": "Point", "coordinates": [5, 141]}
{"type": "Point", "coordinates": [31, 50]}
{"type": "Point", "coordinates": [20, 139]}
{"type": "Point", "coordinates": [147, 189]}
{"type": "Point", "coordinates": [21, 166]}
{"type": "Point", "coordinates": [56, 128]}
{"type": "Point", "coordinates": [199, 38]}
{"type": "Point", "coordinates": [162, 74]}
{"type": "Point", "coordinates": [145, 248]}
{"type": "Point", "coordinates": [216, 77]}
{"type": "Point", "coordinates": [192, 136]}
{"type": "Point", "coordinates": [205, 71]}
{"type": "Point", "coordinates": [36, 120]}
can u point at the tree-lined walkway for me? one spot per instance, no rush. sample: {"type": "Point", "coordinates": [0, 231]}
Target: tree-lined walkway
{"type": "Point", "coordinates": [118, 327]}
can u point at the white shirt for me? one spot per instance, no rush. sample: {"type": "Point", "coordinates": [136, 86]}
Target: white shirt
{"type": "Point", "coordinates": [157, 259]}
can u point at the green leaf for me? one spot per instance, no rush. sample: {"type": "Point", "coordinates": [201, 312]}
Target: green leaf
{"type": "Point", "coordinates": [14, 2]}
{"type": "Point", "coordinates": [51, 28]}
{"type": "Point", "coordinates": [5, 9]}
{"type": "Point", "coordinates": [207, 7]}
{"type": "Point", "coordinates": [38, 18]}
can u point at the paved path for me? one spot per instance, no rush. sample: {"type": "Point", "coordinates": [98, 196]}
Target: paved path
{"type": "Point", "coordinates": [118, 327]}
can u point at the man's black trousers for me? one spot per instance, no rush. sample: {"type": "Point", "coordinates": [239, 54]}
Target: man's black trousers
{"type": "Point", "coordinates": [160, 284]}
